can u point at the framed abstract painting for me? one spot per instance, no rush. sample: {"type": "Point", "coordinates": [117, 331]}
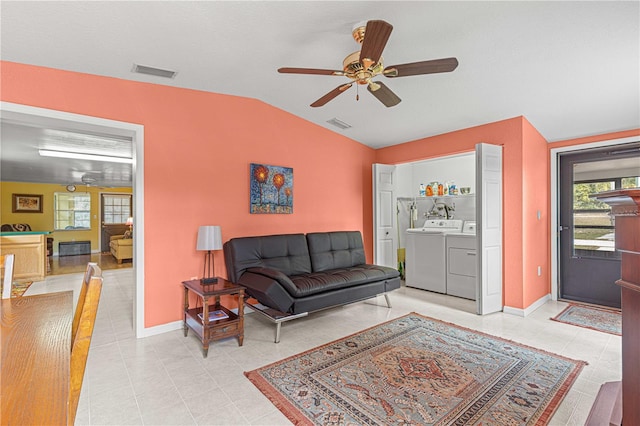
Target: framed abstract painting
{"type": "Point", "coordinates": [271, 189]}
{"type": "Point", "coordinates": [26, 203]}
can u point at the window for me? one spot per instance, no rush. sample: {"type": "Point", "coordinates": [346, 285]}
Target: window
{"type": "Point", "coordinates": [593, 224]}
{"type": "Point", "coordinates": [72, 211]}
{"type": "Point", "coordinates": [116, 208]}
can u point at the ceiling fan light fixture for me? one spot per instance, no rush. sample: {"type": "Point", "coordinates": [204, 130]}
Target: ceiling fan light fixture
{"type": "Point", "coordinates": [361, 72]}
{"type": "Point", "coordinates": [358, 31]}
{"type": "Point", "coordinates": [88, 180]}
{"type": "Point", "coordinates": [339, 123]}
{"type": "Point", "coordinates": [82, 156]}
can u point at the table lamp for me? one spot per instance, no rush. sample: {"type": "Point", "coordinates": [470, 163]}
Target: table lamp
{"type": "Point", "coordinates": [129, 223]}
{"type": "Point", "coordinates": [209, 238]}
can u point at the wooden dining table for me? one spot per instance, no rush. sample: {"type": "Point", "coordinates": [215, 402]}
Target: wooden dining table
{"type": "Point", "coordinates": [36, 353]}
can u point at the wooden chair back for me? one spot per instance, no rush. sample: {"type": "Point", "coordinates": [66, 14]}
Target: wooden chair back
{"type": "Point", "coordinates": [93, 270]}
{"type": "Point", "coordinates": [82, 342]}
{"type": "Point", "coordinates": [7, 282]}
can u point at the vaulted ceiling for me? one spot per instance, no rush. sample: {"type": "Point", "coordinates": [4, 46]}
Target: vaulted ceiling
{"type": "Point", "coordinates": [571, 68]}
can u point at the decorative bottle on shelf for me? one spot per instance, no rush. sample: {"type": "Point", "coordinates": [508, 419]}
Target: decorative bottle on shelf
{"type": "Point", "coordinates": [429, 191]}
{"type": "Point", "coordinates": [453, 189]}
{"type": "Point", "coordinates": [421, 191]}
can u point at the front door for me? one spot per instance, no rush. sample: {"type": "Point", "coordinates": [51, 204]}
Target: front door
{"type": "Point", "coordinates": [589, 264]}
{"type": "Point", "coordinates": [114, 212]}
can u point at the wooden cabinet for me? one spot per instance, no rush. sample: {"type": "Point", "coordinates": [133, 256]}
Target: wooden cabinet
{"type": "Point", "coordinates": [625, 207]}
{"type": "Point", "coordinates": [30, 252]}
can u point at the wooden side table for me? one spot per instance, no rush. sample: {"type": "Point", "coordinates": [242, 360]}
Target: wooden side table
{"type": "Point", "coordinates": [197, 318]}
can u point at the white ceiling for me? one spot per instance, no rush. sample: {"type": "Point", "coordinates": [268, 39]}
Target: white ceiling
{"type": "Point", "coordinates": [22, 163]}
{"type": "Point", "coordinates": [571, 68]}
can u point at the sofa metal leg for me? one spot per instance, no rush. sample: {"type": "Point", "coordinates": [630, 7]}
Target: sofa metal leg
{"type": "Point", "coordinates": [278, 326]}
{"type": "Point", "coordinates": [386, 297]}
{"type": "Point", "coordinates": [274, 316]}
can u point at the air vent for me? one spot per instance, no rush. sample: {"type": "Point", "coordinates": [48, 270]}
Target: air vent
{"type": "Point", "coordinates": [339, 123]}
{"type": "Point", "coordinates": [158, 72]}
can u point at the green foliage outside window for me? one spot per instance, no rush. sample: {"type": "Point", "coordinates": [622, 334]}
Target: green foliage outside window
{"type": "Point", "coordinates": [631, 182]}
{"type": "Point", "coordinates": [582, 192]}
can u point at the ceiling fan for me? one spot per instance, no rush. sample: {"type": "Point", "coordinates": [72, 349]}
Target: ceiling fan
{"type": "Point", "coordinates": [86, 180]}
{"type": "Point", "coordinates": [367, 63]}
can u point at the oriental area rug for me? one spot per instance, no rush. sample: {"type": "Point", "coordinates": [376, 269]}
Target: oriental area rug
{"type": "Point", "coordinates": [18, 289]}
{"type": "Point", "coordinates": [416, 370]}
{"type": "Point", "coordinates": [600, 319]}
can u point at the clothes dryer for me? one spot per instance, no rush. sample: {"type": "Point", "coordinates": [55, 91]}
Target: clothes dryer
{"type": "Point", "coordinates": [461, 262]}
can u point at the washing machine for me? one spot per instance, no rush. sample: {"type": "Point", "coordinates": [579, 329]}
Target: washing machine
{"type": "Point", "coordinates": [426, 266]}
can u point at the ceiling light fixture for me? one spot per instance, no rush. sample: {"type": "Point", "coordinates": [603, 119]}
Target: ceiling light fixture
{"type": "Point", "coordinates": [81, 156]}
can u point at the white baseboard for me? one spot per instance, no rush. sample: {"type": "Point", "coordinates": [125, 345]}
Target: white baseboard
{"type": "Point", "coordinates": [164, 328]}
{"type": "Point", "coordinates": [526, 311]}
{"type": "Point", "coordinates": [172, 326]}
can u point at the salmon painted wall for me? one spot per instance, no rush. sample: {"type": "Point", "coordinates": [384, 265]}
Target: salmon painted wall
{"type": "Point", "coordinates": [197, 148]}
{"type": "Point", "coordinates": [509, 134]}
{"type": "Point", "coordinates": [535, 232]}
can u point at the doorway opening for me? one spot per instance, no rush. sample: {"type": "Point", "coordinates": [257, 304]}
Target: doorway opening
{"type": "Point", "coordinates": [484, 175]}
{"type": "Point", "coordinates": [41, 117]}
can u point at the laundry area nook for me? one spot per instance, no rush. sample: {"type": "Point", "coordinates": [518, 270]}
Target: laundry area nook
{"type": "Point", "coordinates": [447, 225]}
{"type": "Point", "coordinates": [426, 254]}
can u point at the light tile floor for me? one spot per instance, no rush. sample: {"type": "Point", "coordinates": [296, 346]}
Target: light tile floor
{"type": "Point", "coordinates": [164, 380]}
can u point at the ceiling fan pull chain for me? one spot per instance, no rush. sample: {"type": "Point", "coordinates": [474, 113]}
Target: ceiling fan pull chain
{"type": "Point", "coordinates": [357, 92]}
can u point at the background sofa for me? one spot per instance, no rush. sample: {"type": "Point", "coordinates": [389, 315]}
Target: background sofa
{"type": "Point", "coordinates": [121, 247]}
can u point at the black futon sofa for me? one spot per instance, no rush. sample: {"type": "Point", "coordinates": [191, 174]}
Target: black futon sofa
{"type": "Point", "coordinates": [294, 274]}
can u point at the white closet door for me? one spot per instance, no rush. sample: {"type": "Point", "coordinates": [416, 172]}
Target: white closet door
{"type": "Point", "coordinates": [384, 213]}
{"type": "Point", "coordinates": [489, 229]}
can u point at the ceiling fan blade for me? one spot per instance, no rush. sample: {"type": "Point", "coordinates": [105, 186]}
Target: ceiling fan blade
{"type": "Point", "coordinates": [424, 67]}
{"type": "Point", "coordinates": [383, 94]}
{"type": "Point", "coordinates": [332, 94]}
{"type": "Point", "coordinates": [309, 71]}
{"type": "Point", "coordinates": [376, 35]}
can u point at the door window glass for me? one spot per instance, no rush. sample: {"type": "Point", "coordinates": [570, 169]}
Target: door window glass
{"type": "Point", "coordinates": [116, 208]}
{"type": "Point", "coordinates": [593, 225]}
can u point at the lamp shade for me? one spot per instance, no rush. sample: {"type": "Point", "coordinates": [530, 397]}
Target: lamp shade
{"type": "Point", "coordinates": [209, 238]}
{"type": "Point", "coordinates": [129, 221]}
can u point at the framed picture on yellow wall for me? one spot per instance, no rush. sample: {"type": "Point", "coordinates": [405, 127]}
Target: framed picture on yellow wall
{"type": "Point", "coordinates": [26, 203]}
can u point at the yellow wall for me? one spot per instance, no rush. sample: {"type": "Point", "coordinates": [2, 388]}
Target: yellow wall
{"type": "Point", "coordinates": [44, 221]}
